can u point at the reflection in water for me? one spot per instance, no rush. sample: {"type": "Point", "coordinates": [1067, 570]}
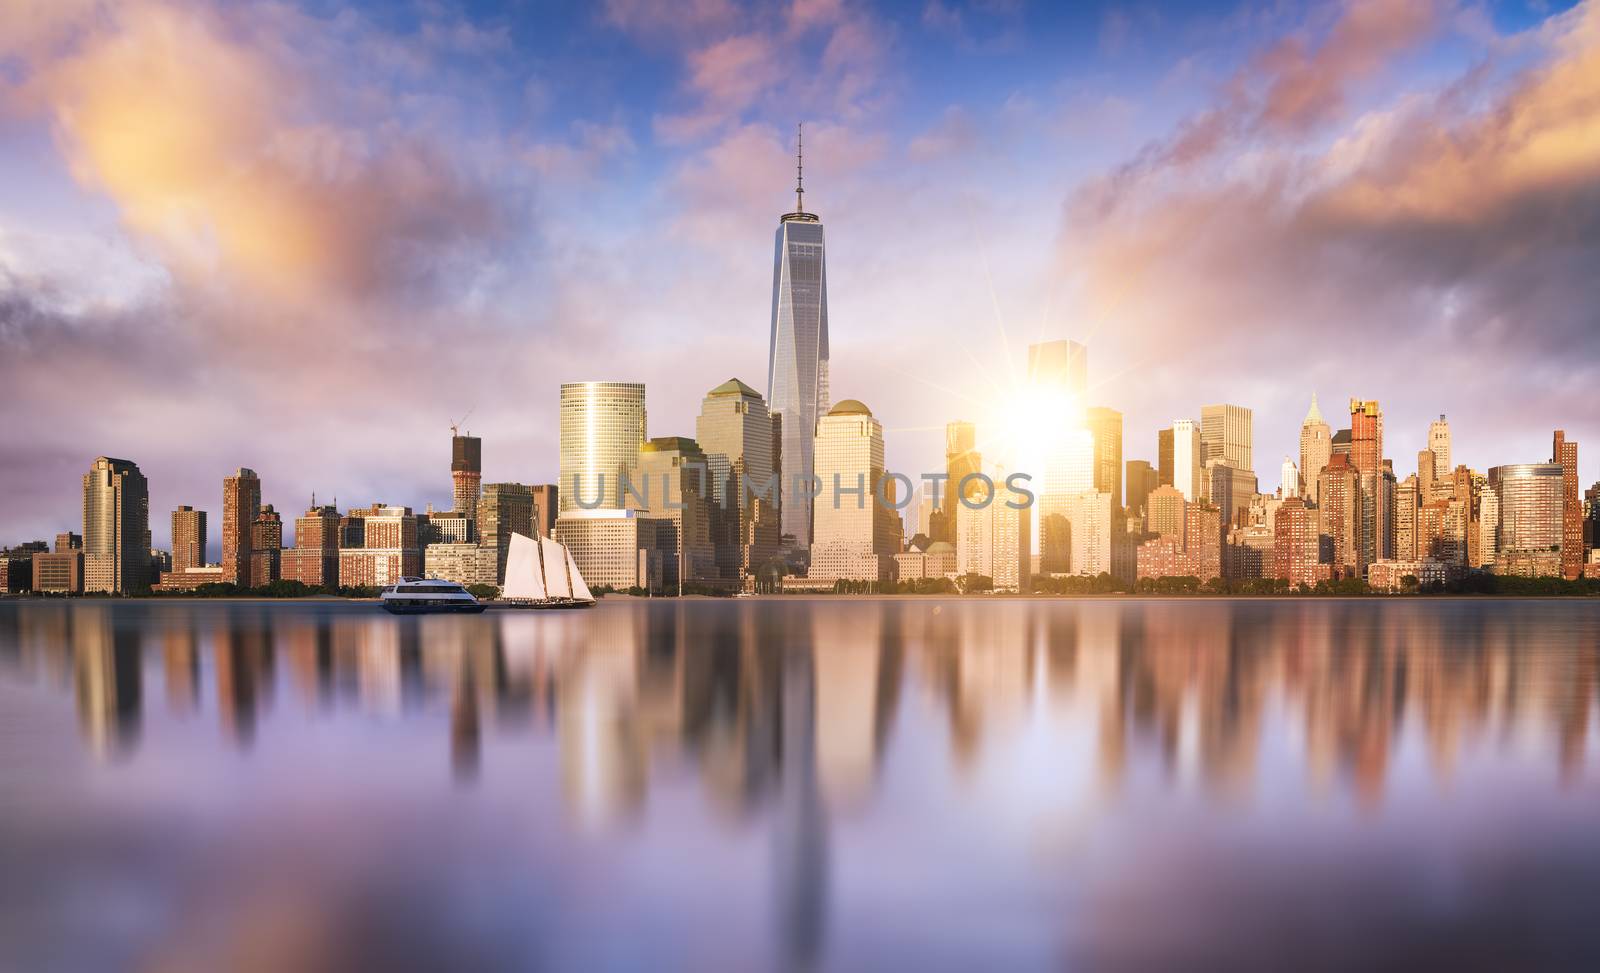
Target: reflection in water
{"type": "Point", "coordinates": [782, 715]}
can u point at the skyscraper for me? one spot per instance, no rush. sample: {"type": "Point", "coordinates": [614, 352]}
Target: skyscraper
{"type": "Point", "coordinates": [1141, 479]}
{"type": "Point", "coordinates": [315, 558]}
{"type": "Point", "coordinates": [1531, 524]}
{"type": "Point", "coordinates": [1439, 445]}
{"type": "Point", "coordinates": [1339, 486]}
{"type": "Point", "coordinates": [1366, 435]}
{"type": "Point", "coordinates": [1316, 446]}
{"type": "Point", "coordinates": [735, 432]}
{"type": "Point", "coordinates": [241, 502]}
{"type": "Point", "coordinates": [266, 547]}
{"type": "Point", "coordinates": [1186, 461]}
{"type": "Point", "coordinates": [1289, 479]}
{"type": "Point", "coordinates": [188, 538]}
{"type": "Point", "coordinates": [602, 427]}
{"type": "Point", "coordinates": [505, 509]}
{"type": "Point", "coordinates": [1565, 452]}
{"type": "Point", "coordinates": [1105, 425]}
{"type": "Point", "coordinates": [673, 477]}
{"type": "Point", "coordinates": [1164, 457]}
{"type": "Point", "coordinates": [797, 361]}
{"type": "Point", "coordinates": [961, 460]}
{"type": "Point", "coordinates": [466, 472]}
{"type": "Point", "coordinates": [855, 534]}
{"type": "Point", "coordinates": [1225, 434]}
{"type": "Point", "coordinates": [116, 527]}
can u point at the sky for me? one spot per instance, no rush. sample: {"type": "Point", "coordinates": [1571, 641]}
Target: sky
{"type": "Point", "coordinates": [307, 237]}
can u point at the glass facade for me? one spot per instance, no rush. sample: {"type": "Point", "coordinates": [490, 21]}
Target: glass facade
{"type": "Point", "coordinates": [797, 366]}
{"type": "Point", "coordinates": [602, 428]}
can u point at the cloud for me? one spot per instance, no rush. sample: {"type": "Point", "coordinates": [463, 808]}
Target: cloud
{"type": "Point", "coordinates": [1438, 248]}
{"type": "Point", "coordinates": [238, 163]}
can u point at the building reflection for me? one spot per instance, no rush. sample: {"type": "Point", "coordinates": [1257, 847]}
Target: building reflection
{"type": "Point", "coordinates": [784, 712]}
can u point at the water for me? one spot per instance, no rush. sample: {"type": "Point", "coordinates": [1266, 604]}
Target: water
{"type": "Point", "coordinates": [836, 784]}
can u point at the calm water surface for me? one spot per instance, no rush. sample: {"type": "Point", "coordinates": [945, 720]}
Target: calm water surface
{"type": "Point", "coordinates": [833, 784]}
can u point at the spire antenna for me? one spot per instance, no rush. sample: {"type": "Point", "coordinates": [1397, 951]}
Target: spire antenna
{"type": "Point", "coordinates": [800, 167]}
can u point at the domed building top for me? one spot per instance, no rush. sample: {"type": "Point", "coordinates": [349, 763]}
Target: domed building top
{"type": "Point", "coordinates": [850, 407]}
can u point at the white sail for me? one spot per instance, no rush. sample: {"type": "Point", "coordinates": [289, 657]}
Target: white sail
{"type": "Point", "coordinates": [524, 575]}
{"type": "Point", "coordinates": [580, 590]}
{"type": "Point", "coordinates": [555, 572]}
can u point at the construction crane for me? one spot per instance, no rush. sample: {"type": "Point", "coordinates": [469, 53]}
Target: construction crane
{"type": "Point", "coordinates": [455, 427]}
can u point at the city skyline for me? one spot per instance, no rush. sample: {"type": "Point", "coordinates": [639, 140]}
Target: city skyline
{"type": "Point", "coordinates": [924, 335]}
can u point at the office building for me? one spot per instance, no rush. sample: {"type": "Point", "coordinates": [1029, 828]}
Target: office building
{"type": "Point", "coordinates": [1232, 490]}
{"type": "Point", "coordinates": [463, 563]}
{"type": "Point", "coordinates": [59, 572]}
{"type": "Point", "coordinates": [1564, 452]}
{"type": "Point", "coordinates": [466, 472]}
{"type": "Point", "coordinates": [1186, 458]}
{"type": "Point", "coordinates": [1487, 527]}
{"type": "Point", "coordinates": [1105, 426]}
{"type": "Point", "coordinates": [1532, 500]}
{"type": "Point", "coordinates": [1225, 435]}
{"type": "Point", "coordinates": [797, 359]}
{"type": "Point", "coordinates": [617, 549]}
{"type": "Point", "coordinates": [994, 541]}
{"type": "Point", "coordinates": [505, 509]}
{"type": "Point", "coordinates": [241, 502]}
{"type": "Point", "coordinates": [16, 566]}
{"type": "Point", "coordinates": [1141, 479]}
{"type": "Point", "coordinates": [673, 481]}
{"type": "Point", "coordinates": [1340, 444]}
{"type": "Point", "coordinates": [961, 463]}
{"type": "Point", "coordinates": [188, 538]}
{"type": "Point", "coordinates": [116, 528]}
{"type": "Point", "coordinates": [734, 431]}
{"type": "Point", "coordinates": [602, 427]}
{"type": "Point", "coordinates": [1164, 462]}
{"type": "Point", "coordinates": [856, 536]}
{"type": "Point", "coordinates": [1316, 446]}
{"type": "Point", "coordinates": [1377, 516]}
{"type": "Point", "coordinates": [546, 505]}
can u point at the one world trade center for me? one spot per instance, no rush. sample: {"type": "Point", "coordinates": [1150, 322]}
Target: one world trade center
{"type": "Point", "coordinates": [797, 366]}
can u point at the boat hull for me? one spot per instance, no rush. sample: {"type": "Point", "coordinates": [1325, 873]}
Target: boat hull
{"type": "Point", "coordinates": [539, 605]}
{"type": "Point", "coordinates": [440, 609]}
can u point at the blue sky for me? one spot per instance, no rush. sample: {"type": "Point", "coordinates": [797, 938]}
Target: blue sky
{"type": "Point", "coordinates": [304, 238]}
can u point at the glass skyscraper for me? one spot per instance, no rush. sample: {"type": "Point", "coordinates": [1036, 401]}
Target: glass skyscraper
{"type": "Point", "coordinates": [797, 367]}
{"type": "Point", "coordinates": [602, 428]}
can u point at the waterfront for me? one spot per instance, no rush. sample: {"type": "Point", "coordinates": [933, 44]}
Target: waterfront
{"type": "Point", "coordinates": [831, 783]}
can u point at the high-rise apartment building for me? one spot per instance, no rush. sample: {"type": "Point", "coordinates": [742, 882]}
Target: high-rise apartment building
{"type": "Point", "coordinates": [188, 538]}
{"type": "Point", "coordinates": [1532, 501]}
{"type": "Point", "coordinates": [1202, 540]}
{"type": "Point", "coordinates": [1288, 479]}
{"type": "Point", "coordinates": [466, 472]}
{"type": "Point", "coordinates": [505, 509]}
{"type": "Point", "coordinates": [1165, 517]}
{"type": "Point", "coordinates": [1366, 435]}
{"type": "Point", "coordinates": [1564, 452]}
{"type": "Point", "coordinates": [1377, 516]}
{"type": "Point", "coordinates": [797, 360]}
{"type": "Point", "coordinates": [266, 547]}
{"type": "Point", "coordinates": [1439, 446]}
{"type": "Point", "coordinates": [1105, 426]}
{"type": "Point", "coordinates": [389, 553]}
{"type": "Point", "coordinates": [735, 432]}
{"type": "Point", "coordinates": [855, 534]}
{"type": "Point", "coordinates": [1226, 435]}
{"type": "Point", "coordinates": [314, 559]}
{"type": "Point", "coordinates": [241, 502]}
{"type": "Point", "coordinates": [116, 527]}
{"type": "Point", "coordinates": [1339, 486]}
{"type": "Point", "coordinates": [1407, 506]}
{"type": "Point", "coordinates": [1296, 544]}
{"type": "Point", "coordinates": [1186, 458]}
{"type": "Point", "coordinates": [602, 427]}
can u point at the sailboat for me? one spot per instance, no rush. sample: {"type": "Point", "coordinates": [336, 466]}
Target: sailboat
{"type": "Point", "coordinates": [542, 574]}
